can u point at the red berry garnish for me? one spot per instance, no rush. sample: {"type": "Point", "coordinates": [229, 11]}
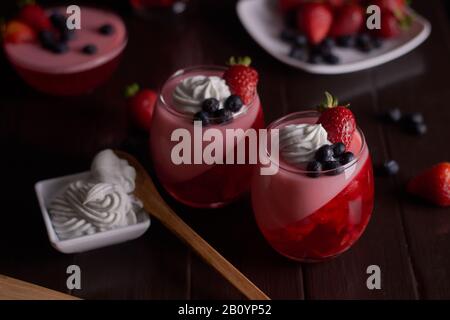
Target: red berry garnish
{"type": "Point", "coordinates": [242, 79]}
{"type": "Point", "coordinates": [141, 103]}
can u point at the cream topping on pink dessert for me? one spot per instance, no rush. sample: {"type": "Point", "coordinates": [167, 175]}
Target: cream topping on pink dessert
{"type": "Point", "coordinates": [299, 142]}
{"type": "Point", "coordinates": [191, 92]}
{"type": "Point", "coordinates": [34, 57]}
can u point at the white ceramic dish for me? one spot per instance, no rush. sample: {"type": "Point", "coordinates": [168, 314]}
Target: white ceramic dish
{"type": "Point", "coordinates": [264, 23]}
{"type": "Point", "coordinates": [46, 190]}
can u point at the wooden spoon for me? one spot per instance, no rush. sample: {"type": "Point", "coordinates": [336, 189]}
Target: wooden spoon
{"type": "Point", "coordinates": [157, 207]}
{"type": "Point", "coordinates": [14, 289]}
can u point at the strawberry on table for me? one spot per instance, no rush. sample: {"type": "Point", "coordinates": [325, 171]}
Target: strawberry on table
{"type": "Point", "coordinates": [17, 32]}
{"type": "Point", "coordinates": [242, 79]}
{"type": "Point", "coordinates": [141, 103]}
{"type": "Point", "coordinates": [33, 15]}
{"type": "Point", "coordinates": [433, 184]}
{"type": "Point", "coordinates": [348, 20]}
{"type": "Point", "coordinates": [337, 120]}
{"type": "Point", "coordinates": [314, 19]}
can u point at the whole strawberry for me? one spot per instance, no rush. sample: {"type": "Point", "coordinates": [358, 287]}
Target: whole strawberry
{"type": "Point", "coordinates": [141, 105]}
{"type": "Point", "coordinates": [242, 79]}
{"type": "Point", "coordinates": [33, 15]}
{"type": "Point", "coordinates": [338, 121]}
{"type": "Point", "coordinates": [314, 19]}
{"type": "Point", "coordinates": [433, 184]}
{"type": "Point", "coordinates": [348, 20]}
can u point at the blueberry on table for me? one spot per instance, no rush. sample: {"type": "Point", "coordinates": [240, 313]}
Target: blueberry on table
{"type": "Point", "coordinates": [419, 129]}
{"type": "Point", "coordinates": [314, 168]}
{"type": "Point", "coordinates": [413, 118]}
{"type": "Point", "coordinates": [346, 158]}
{"type": "Point", "coordinates": [106, 29]}
{"type": "Point", "coordinates": [324, 153]}
{"type": "Point", "coordinates": [390, 168]}
{"type": "Point", "coordinates": [338, 149]}
{"type": "Point", "coordinates": [203, 117]}
{"type": "Point", "coordinates": [233, 103]}
{"type": "Point", "coordinates": [393, 115]}
{"type": "Point", "coordinates": [346, 41]}
{"type": "Point", "coordinates": [331, 59]}
{"type": "Point", "coordinates": [224, 115]}
{"type": "Point", "coordinates": [210, 105]}
{"type": "Point", "coordinates": [298, 53]}
{"type": "Point", "coordinates": [333, 168]}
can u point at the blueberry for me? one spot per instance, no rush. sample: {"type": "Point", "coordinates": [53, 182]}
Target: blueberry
{"type": "Point", "coordinates": [394, 115]}
{"type": "Point", "coordinates": [233, 103]}
{"type": "Point", "coordinates": [314, 168]}
{"type": "Point", "coordinates": [419, 129]}
{"type": "Point", "coordinates": [288, 35]}
{"type": "Point", "coordinates": [58, 21]}
{"type": "Point", "coordinates": [315, 58]}
{"type": "Point", "coordinates": [203, 117]}
{"type": "Point", "coordinates": [329, 42]}
{"type": "Point", "coordinates": [390, 168]}
{"type": "Point", "coordinates": [224, 115]}
{"type": "Point", "coordinates": [300, 40]}
{"type": "Point", "coordinates": [413, 118]}
{"type": "Point", "coordinates": [67, 35]}
{"type": "Point", "coordinates": [322, 48]}
{"type": "Point", "coordinates": [332, 167]}
{"type": "Point", "coordinates": [106, 29]}
{"type": "Point", "coordinates": [331, 59]}
{"type": "Point", "coordinates": [59, 47]}
{"type": "Point", "coordinates": [338, 149]}
{"type": "Point", "coordinates": [47, 38]}
{"type": "Point", "coordinates": [210, 105]}
{"type": "Point", "coordinates": [346, 41]}
{"type": "Point", "coordinates": [377, 42]}
{"type": "Point", "coordinates": [346, 158]}
{"type": "Point", "coordinates": [364, 43]}
{"type": "Point", "coordinates": [298, 53]}
{"type": "Point", "coordinates": [89, 49]}
{"type": "Point", "coordinates": [324, 153]}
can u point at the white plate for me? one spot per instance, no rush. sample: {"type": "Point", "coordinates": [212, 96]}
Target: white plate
{"type": "Point", "coordinates": [47, 190]}
{"type": "Point", "coordinates": [263, 21]}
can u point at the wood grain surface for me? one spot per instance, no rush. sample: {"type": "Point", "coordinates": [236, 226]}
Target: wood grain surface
{"type": "Point", "coordinates": [49, 136]}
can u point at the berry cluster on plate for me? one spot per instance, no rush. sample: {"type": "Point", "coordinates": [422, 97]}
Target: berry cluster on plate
{"type": "Point", "coordinates": [314, 28]}
{"type": "Point", "coordinates": [242, 81]}
{"type": "Point", "coordinates": [34, 24]}
{"type": "Point", "coordinates": [340, 124]}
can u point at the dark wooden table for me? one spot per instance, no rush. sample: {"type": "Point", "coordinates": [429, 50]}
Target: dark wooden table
{"type": "Point", "coordinates": [43, 137]}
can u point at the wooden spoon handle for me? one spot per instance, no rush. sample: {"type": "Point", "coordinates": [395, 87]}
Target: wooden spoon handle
{"type": "Point", "coordinates": [210, 255]}
{"type": "Point", "coordinates": [13, 289]}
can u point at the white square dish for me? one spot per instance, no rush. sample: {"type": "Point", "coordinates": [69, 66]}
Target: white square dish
{"type": "Point", "coordinates": [46, 190]}
{"type": "Point", "coordinates": [264, 23]}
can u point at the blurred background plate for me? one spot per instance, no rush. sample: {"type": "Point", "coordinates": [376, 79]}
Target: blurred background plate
{"type": "Point", "coordinates": [264, 23]}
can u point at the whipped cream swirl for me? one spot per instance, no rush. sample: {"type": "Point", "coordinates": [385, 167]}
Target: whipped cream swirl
{"type": "Point", "coordinates": [298, 143]}
{"type": "Point", "coordinates": [102, 202]}
{"type": "Point", "coordinates": [191, 92]}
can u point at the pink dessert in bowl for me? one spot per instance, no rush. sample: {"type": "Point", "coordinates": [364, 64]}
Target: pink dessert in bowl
{"type": "Point", "coordinates": [69, 62]}
{"type": "Point", "coordinates": [320, 201]}
{"type": "Point", "coordinates": [183, 99]}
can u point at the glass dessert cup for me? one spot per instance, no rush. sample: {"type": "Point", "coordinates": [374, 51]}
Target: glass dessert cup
{"type": "Point", "coordinates": [73, 72]}
{"type": "Point", "coordinates": [313, 219]}
{"type": "Point", "coordinates": [200, 185]}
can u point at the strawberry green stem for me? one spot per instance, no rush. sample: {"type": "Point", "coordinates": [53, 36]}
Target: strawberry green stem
{"type": "Point", "coordinates": [132, 90]}
{"type": "Point", "coordinates": [330, 102]}
{"type": "Point", "coordinates": [245, 61]}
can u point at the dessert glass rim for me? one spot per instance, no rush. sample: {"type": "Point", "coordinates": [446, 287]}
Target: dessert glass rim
{"type": "Point", "coordinates": [188, 116]}
{"type": "Point", "coordinates": [305, 114]}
